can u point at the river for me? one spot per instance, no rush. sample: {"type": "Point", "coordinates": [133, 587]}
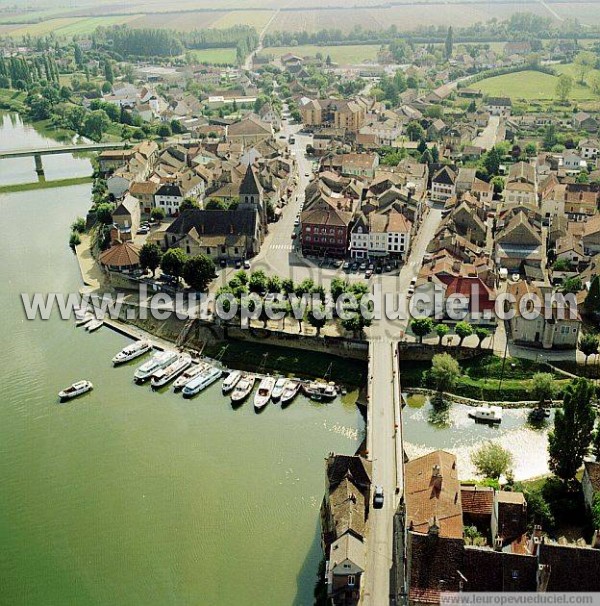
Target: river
{"type": "Point", "coordinates": [131, 497]}
{"type": "Point", "coordinates": [127, 496]}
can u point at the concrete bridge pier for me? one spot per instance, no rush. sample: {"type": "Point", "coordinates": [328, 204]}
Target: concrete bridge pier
{"type": "Point", "coordinates": [39, 167]}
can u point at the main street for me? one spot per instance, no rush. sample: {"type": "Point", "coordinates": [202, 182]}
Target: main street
{"type": "Point", "coordinates": [385, 440]}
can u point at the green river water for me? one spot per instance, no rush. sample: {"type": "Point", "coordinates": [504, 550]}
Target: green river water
{"type": "Point", "coordinates": [125, 496]}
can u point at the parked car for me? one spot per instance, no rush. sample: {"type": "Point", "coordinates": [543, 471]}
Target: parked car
{"type": "Point", "coordinates": [378, 269]}
{"type": "Point", "coordinates": [368, 273]}
{"type": "Point", "coordinates": [142, 231]}
{"type": "Point", "coordinates": [246, 264]}
{"type": "Point", "coordinates": [238, 264]}
{"type": "Point", "coordinates": [387, 267]}
{"type": "Point", "coordinates": [297, 221]}
{"type": "Point", "coordinates": [362, 267]}
{"type": "Point", "coordinates": [346, 265]}
{"type": "Point", "coordinates": [223, 262]}
{"type": "Point", "coordinates": [337, 263]}
{"type": "Point", "coordinates": [378, 497]}
{"type": "Point", "coordinates": [371, 266]}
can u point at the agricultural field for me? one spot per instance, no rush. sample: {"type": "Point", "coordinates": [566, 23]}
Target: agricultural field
{"type": "Point", "coordinates": [215, 56]}
{"type": "Point", "coordinates": [344, 55]}
{"type": "Point", "coordinates": [256, 19]}
{"type": "Point", "coordinates": [530, 85]}
{"type": "Point", "coordinates": [68, 27]}
{"type": "Point", "coordinates": [585, 12]}
{"type": "Point", "coordinates": [183, 22]}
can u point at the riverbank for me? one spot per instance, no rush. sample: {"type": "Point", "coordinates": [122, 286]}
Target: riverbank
{"type": "Point", "coordinates": [18, 187]}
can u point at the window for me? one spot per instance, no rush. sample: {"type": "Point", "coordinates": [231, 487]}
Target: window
{"type": "Point", "coordinates": [351, 580]}
{"type": "Point", "coordinates": [515, 575]}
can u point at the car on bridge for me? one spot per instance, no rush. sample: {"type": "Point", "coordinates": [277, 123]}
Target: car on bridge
{"type": "Point", "coordinates": [378, 498]}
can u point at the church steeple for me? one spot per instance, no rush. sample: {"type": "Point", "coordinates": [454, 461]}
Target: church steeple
{"type": "Point", "coordinates": [251, 194]}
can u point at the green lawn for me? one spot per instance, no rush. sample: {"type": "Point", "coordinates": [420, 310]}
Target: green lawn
{"type": "Point", "coordinates": [531, 85]}
{"type": "Point", "coordinates": [215, 56]}
{"type": "Point", "coordinates": [350, 54]}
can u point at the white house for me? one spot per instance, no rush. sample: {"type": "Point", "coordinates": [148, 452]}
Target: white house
{"type": "Point", "coordinates": [499, 106]}
{"type": "Point", "coordinates": [589, 149]}
{"type": "Point", "coordinates": [169, 197]}
{"type": "Point", "coordinates": [380, 235]}
{"type": "Point", "coordinates": [443, 184]}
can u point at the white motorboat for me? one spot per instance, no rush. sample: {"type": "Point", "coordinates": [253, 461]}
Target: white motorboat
{"type": "Point", "coordinates": [77, 389]}
{"type": "Point", "coordinates": [193, 371]}
{"type": "Point", "coordinates": [85, 319]}
{"type": "Point", "coordinates": [165, 375]}
{"type": "Point", "coordinates": [263, 394]}
{"type": "Point", "coordinates": [158, 360]}
{"type": "Point", "coordinates": [80, 312]}
{"type": "Point", "coordinates": [243, 388]}
{"type": "Point", "coordinates": [320, 392]}
{"type": "Point", "coordinates": [94, 325]}
{"type": "Point", "coordinates": [487, 414]}
{"type": "Point", "coordinates": [207, 377]}
{"type": "Point", "coordinates": [231, 380]}
{"type": "Point", "coordinates": [278, 389]}
{"type": "Point", "coordinates": [290, 391]}
{"type": "Point", "coordinates": [132, 351]}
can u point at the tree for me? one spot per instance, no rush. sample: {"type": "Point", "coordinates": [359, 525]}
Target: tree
{"type": "Point", "coordinates": [491, 460]}
{"type": "Point", "coordinates": [550, 138]}
{"type": "Point", "coordinates": [104, 213]}
{"type": "Point", "coordinates": [287, 286]}
{"type": "Point", "coordinates": [569, 441]}
{"type": "Point", "coordinates": [588, 344]}
{"type": "Point", "coordinates": [449, 43]}
{"type": "Point", "coordinates": [274, 284]}
{"type": "Point", "coordinates": [316, 317]}
{"type": "Point", "coordinates": [164, 130]}
{"type": "Point", "coordinates": [543, 386]}
{"type": "Point", "coordinates": [595, 84]}
{"type": "Point", "coordinates": [157, 214]}
{"type": "Point", "coordinates": [188, 204]}
{"type": "Point", "coordinates": [258, 281]}
{"type": "Point", "coordinates": [463, 329]}
{"type": "Point", "coordinates": [78, 225]}
{"type": "Point", "coordinates": [441, 330]}
{"type": "Point", "coordinates": [337, 288]}
{"type": "Point", "coordinates": [150, 256]}
{"type": "Point", "coordinates": [421, 327]}
{"type": "Point", "coordinates": [74, 239]}
{"type": "Point", "coordinates": [173, 262]}
{"type": "Point", "coordinates": [109, 74]}
{"type": "Point", "coordinates": [199, 271]}
{"type": "Point", "coordinates": [564, 84]}
{"type": "Point", "coordinates": [95, 124]}
{"type": "Point", "coordinates": [572, 285]}
{"type": "Point", "coordinates": [591, 305]}
{"type": "Point", "coordinates": [491, 161]}
{"type": "Point", "coordinates": [415, 131]}
{"type": "Point", "coordinates": [355, 323]}
{"type": "Point", "coordinates": [584, 62]}
{"type": "Point", "coordinates": [481, 333]}
{"type": "Point", "coordinates": [444, 372]}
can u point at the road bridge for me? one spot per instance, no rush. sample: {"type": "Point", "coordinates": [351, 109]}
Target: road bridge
{"type": "Point", "coordinates": [38, 152]}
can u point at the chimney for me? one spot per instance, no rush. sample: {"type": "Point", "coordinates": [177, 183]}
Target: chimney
{"type": "Point", "coordinates": [434, 529]}
{"type": "Point", "coordinates": [436, 477]}
{"type": "Point", "coordinates": [497, 543]}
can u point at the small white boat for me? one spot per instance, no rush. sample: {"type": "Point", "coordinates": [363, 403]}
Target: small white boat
{"type": "Point", "coordinates": [94, 325]}
{"type": "Point", "coordinates": [290, 391]}
{"type": "Point", "coordinates": [231, 380]}
{"type": "Point", "coordinates": [80, 312]}
{"type": "Point", "coordinates": [243, 388]}
{"type": "Point", "coordinates": [207, 377]}
{"type": "Point", "coordinates": [77, 389]}
{"type": "Point", "coordinates": [132, 351]}
{"type": "Point", "coordinates": [263, 394]}
{"type": "Point", "coordinates": [158, 360]}
{"type": "Point", "coordinates": [165, 375]}
{"type": "Point", "coordinates": [85, 319]}
{"type": "Point", "coordinates": [278, 389]}
{"type": "Point", "coordinates": [193, 371]}
{"type": "Point", "coordinates": [320, 391]}
{"type": "Point", "coordinates": [487, 414]}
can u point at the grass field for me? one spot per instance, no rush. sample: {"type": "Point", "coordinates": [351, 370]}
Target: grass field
{"type": "Point", "coordinates": [350, 54]}
{"type": "Point", "coordinates": [530, 85]}
{"type": "Point", "coordinates": [215, 56]}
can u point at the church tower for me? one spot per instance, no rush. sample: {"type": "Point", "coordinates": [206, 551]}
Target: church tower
{"type": "Point", "coordinates": [251, 196]}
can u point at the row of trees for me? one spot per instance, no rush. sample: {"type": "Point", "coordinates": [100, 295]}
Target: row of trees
{"type": "Point", "coordinates": [421, 327]}
{"type": "Point", "coordinates": [20, 72]}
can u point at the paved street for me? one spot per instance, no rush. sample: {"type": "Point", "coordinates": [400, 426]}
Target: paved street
{"type": "Point", "coordinates": [487, 138]}
{"type": "Point", "coordinates": [385, 445]}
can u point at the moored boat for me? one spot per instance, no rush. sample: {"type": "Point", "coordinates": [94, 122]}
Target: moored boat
{"type": "Point", "coordinates": [94, 325]}
{"type": "Point", "coordinates": [193, 371]}
{"type": "Point", "coordinates": [77, 389]}
{"type": "Point", "coordinates": [278, 388]}
{"type": "Point", "coordinates": [231, 380]}
{"type": "Point", "coordinates": [207, 377]}
{"type": "Point", "coordinates": [85, 319]}
{"type": "Point", "coordinates": [487, 414]}
{"type": "Point", "coordinates": [263, 394]}
{"type": "Point", "coordinates": [290, 391]}
{"type": "Point", "coordinates": [243, 388]}
{"type": "Point", "coordinates": [132, 351]}
{"type": "Point", "coordinates": [320, 392]}
{"type": "Point", "coordinates": [165, 375]}
{"type": "Point", "coordinates": [158, 360]}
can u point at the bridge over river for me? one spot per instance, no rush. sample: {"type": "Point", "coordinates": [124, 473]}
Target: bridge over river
{"type": "Point", "coordinates": [38, 152]}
